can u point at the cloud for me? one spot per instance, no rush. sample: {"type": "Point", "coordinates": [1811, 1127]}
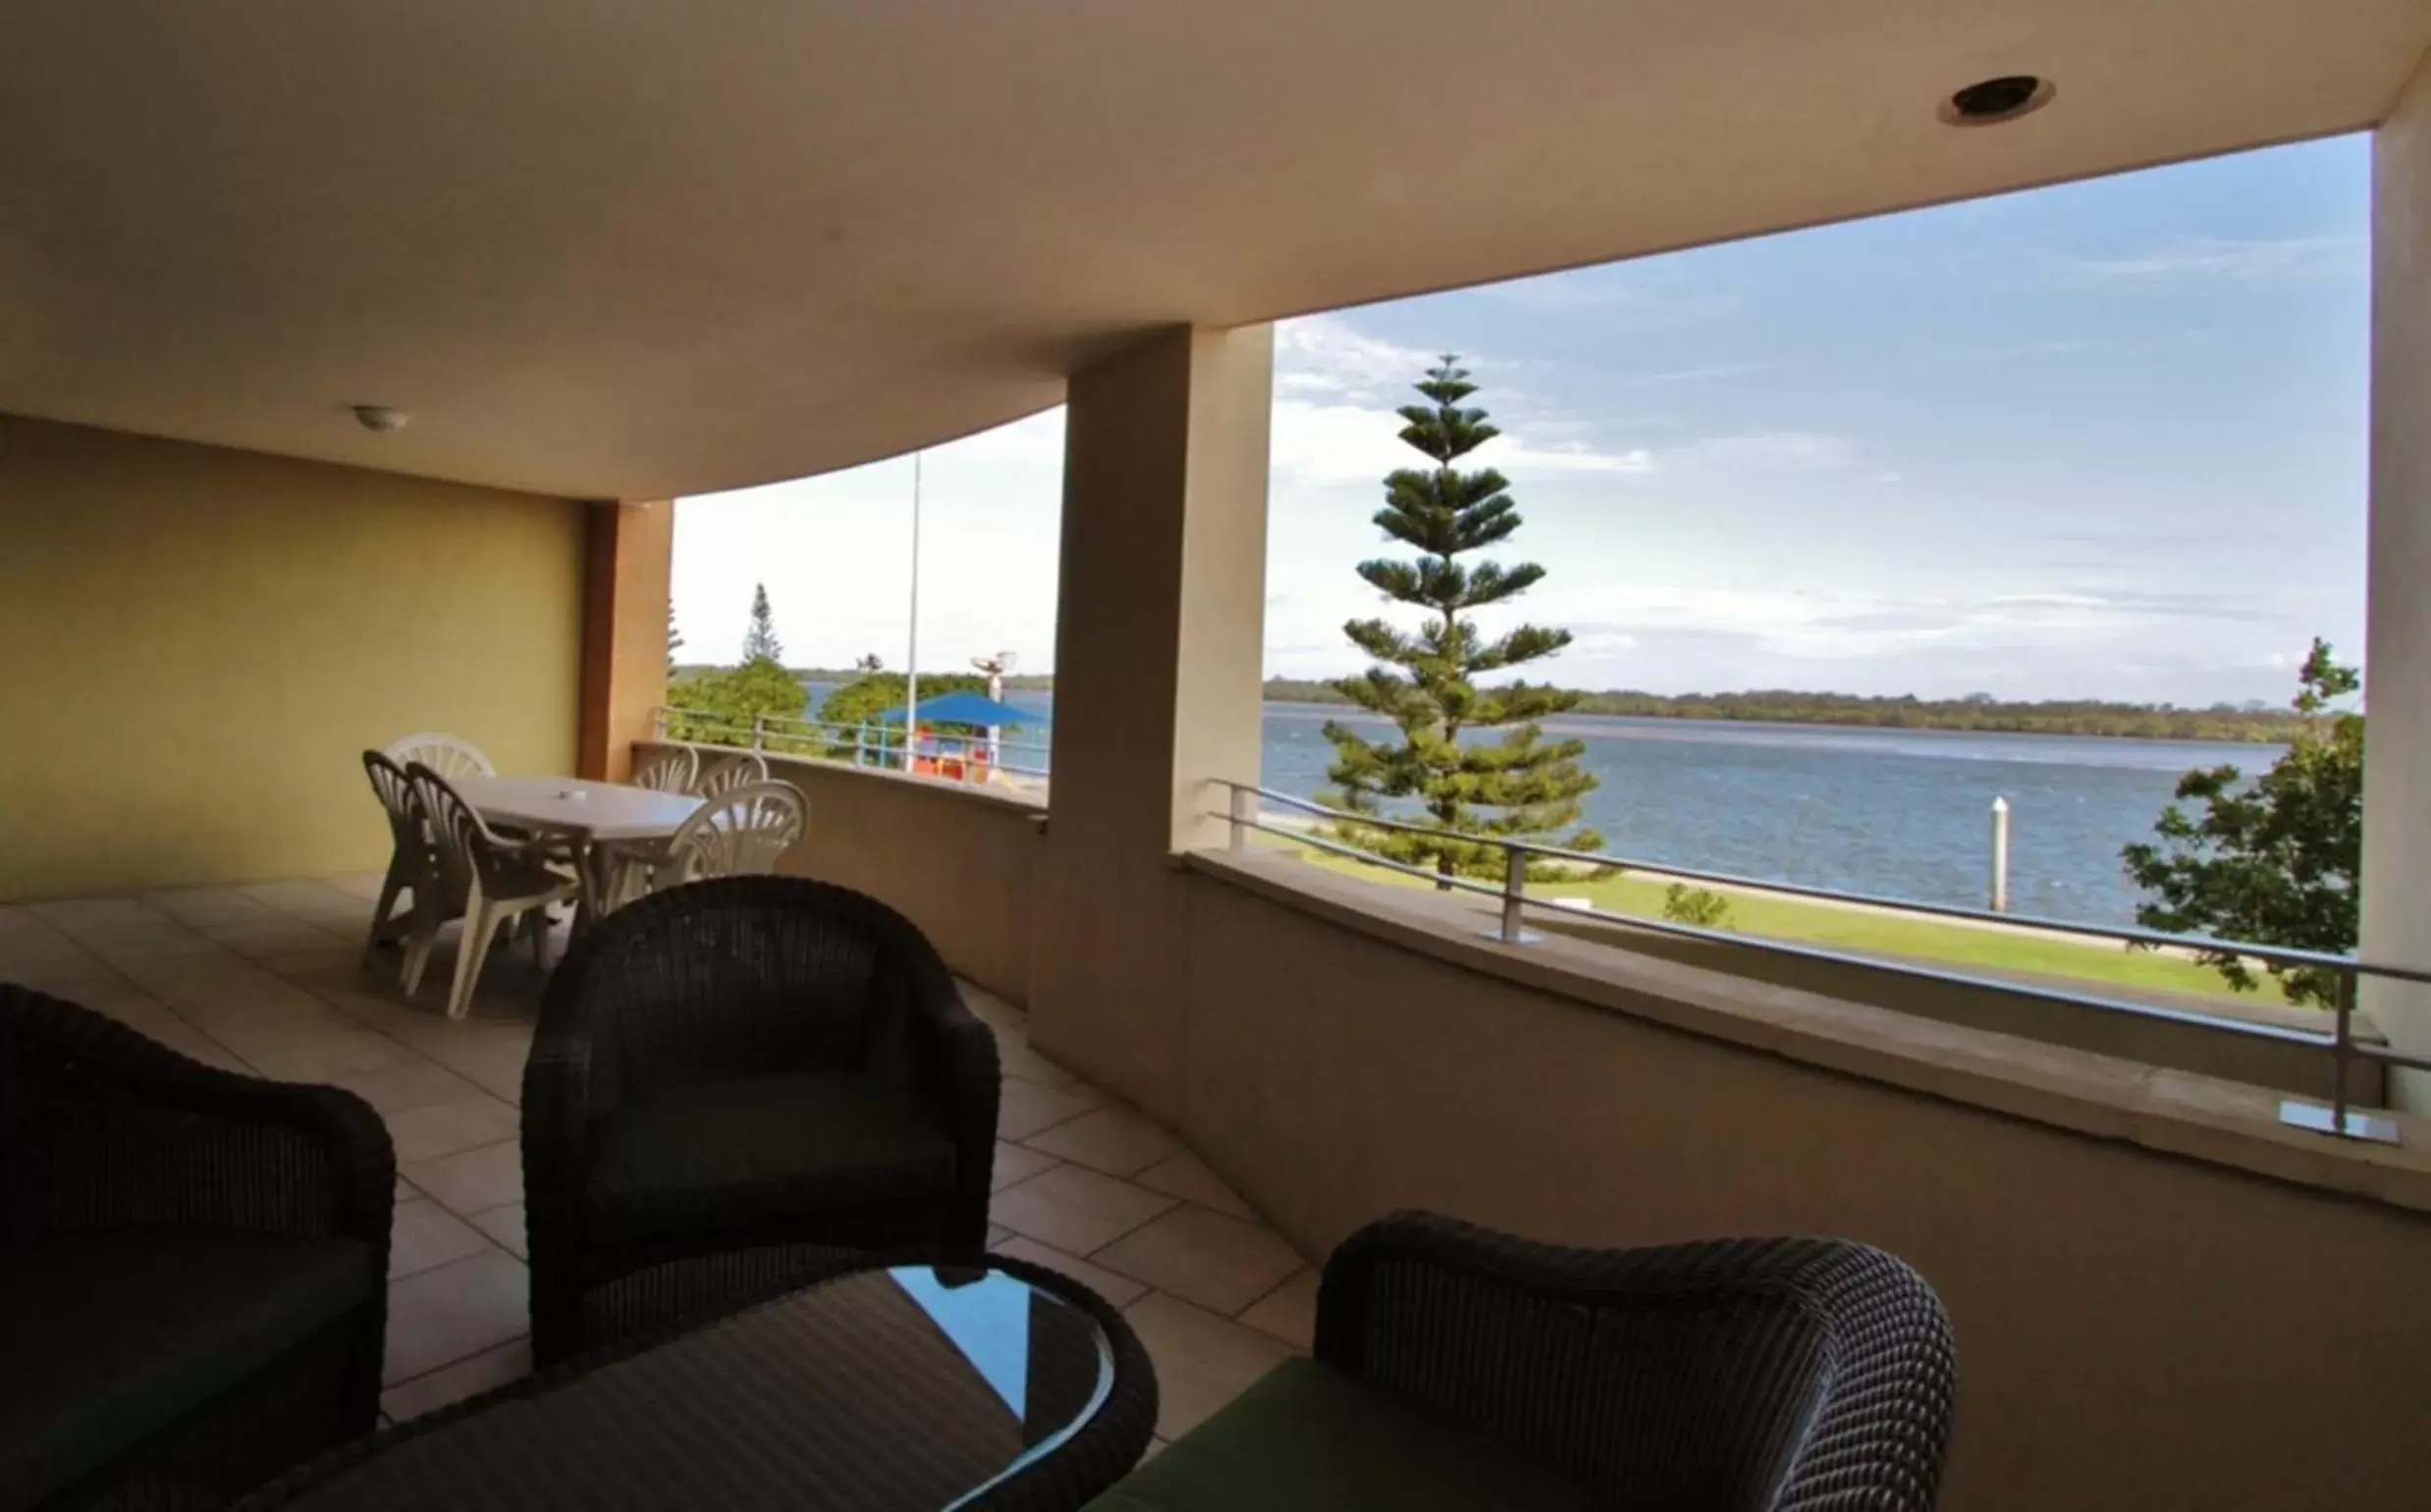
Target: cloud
{"type": "Point", "coordinates": [1513, 456]}
{"type": "Point", "coordinates": [2144, 604]}
{"type": "Point", "coordinates": [1577, 288]}
{"type": "Point", "coordinates": [1613, 294]}
{"type": "Point", "coordinates": [1767, 451]}
{"type": "Point", "coordinates": [1324, 357]}
{"type": "Point", "coordinates": [1838, 625]}
{"type": "Point", "coordinates": [2217, 260]}
{"type": "Point", "coordinates": [1690, 374]}
{"type": "Point", "coordinates": [1336, 392]}
{"type": "Point", "coordinates": [1329, 444]}
{"type": "Point", "coordinates": [1034, 441]}
{"type": "Point", "coordinates": [1320, 444]}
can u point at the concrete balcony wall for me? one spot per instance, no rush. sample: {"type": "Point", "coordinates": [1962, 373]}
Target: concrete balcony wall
{"type": "Point", "coordinates": [197, 644]}
{"type": "Point", "coordinates": [958, 861]}
{"type": "Point", "coordinates": [2161, 1300]}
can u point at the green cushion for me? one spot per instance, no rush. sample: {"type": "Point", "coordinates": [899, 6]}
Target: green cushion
{"type": "Point", "coordinates": [111, 1338]}
{"type": "Point", "coordinates": [760, 1149]}
{"type": "Point", "coordinates": [1307, 1437]}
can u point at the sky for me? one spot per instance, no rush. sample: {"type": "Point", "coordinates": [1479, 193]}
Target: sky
{"type": "Point", "coordinates": [2101, 440]}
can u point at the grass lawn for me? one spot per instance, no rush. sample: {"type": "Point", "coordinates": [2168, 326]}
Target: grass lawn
{"type": "Point", "coordinates": [1871, 932]}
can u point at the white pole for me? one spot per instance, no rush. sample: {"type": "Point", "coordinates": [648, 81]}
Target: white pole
{"type": "Point", "coordinates": [911, 662]}
{"type": "Point", "coordinates": [2000, 855]}
{"type": "Point", "coordinates": [995, 694]}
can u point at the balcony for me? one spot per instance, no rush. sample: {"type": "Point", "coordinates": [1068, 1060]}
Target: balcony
{"type": "Point", "coordinates": [608, 266]}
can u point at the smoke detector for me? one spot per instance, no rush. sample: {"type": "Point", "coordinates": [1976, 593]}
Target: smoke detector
{"type": "Point", "coordinates": [380, 419]}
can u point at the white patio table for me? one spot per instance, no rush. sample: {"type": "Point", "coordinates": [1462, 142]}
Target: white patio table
{"type": "Point", "coordinates": [585, 813]}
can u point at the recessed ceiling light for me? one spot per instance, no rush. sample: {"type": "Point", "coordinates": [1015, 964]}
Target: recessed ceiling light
{"type": "Point", "coordinates": [1994, 100]}
{"type": "Point", "coordinates": [380, 418]}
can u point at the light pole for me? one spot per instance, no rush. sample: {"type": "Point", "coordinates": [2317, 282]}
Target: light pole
{"type": "Point", "coordinates": [995, 666]}
{"type": "Point", "coordinates": [911, 660]}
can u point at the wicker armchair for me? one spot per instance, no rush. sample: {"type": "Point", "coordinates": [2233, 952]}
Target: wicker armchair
{"type": "Point", "coordinates": [1457, 1367]}
{"type": "Point", "coordinates": [743, 1062]}
{"type": "Point", "coordinates": [192, 1267]}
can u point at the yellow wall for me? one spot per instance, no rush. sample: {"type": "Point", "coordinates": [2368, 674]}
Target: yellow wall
{"type": "Point", "coordinates": [196, 645]}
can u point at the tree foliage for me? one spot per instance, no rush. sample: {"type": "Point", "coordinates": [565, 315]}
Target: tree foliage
{"type": "Point", "coordinates": [1905, 711]}
{"type": "Point", "coordinates": [760, 640]}
{"type": "Point", "coordinates": [1424, 679]}
{"type": "Point", "coordinates": [719, 705]}
{"type": "Point", "coordinates": [871, 694]}
{"type": "Point", "coordinates": [2274, 861]}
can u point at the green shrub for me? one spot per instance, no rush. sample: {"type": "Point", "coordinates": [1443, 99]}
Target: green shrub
{"type": "Point", "coordinates": [1697, 906]}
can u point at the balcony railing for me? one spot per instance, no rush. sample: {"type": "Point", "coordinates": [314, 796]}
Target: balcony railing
{"type": "Point", "coordinates": [964, 759]}
{"type": "Point", "coordinates": [2338, 1042]}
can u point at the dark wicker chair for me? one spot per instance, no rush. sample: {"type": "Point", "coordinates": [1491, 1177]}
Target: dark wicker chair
{"type": "Point", "coordinates": [743, 1062]}
{"type": "Point", "coordinates": [192, 1267]}
{"type": "Point", "coordinates": [1457, 1367]}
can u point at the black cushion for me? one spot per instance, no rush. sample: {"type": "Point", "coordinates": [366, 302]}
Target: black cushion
{"type": "Point", "coordinates": [1310, 1438]}
{"type": "Point", "coordinates": [110, 1338]}
{"type": "Point", "coordinates": [759, 1149]}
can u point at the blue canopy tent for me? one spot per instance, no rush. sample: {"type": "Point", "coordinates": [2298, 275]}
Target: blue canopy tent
{"type": "Point", "coordinates": [975, 710]}
{"type": "Point", "coordinates": [964, 709]}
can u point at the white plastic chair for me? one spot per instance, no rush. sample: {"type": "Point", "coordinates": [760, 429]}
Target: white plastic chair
{"type": "Point", "coordinates": [626, 865]}
{"type": "Point", "coordinates": [669, 769]}
{"type": "Point", "coordinates": [716, 778]}
{"type": "Point", "coordinates": [488, 880]}
{"type": "Point", "coordinates": [744, 831]}
{"type": "Point", "coordinates": [412, 870]}
{"type": "Point", "coordinates": [446, 755]}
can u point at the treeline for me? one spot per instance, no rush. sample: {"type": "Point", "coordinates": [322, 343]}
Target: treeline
{"type": "Point", "coordinates": [1780, 706]}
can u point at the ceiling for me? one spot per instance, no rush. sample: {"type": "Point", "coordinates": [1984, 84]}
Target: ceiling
{"type": "Point", "coordinates": [630, 248]}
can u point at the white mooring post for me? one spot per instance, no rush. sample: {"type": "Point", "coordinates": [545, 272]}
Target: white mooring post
{"type": "Point", "coordinates": [2000, 855]}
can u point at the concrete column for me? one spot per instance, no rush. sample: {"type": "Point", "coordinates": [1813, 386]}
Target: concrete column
{"type": "Point", "coordinates": [627, 557]}
{"type": "Point", "coordinates": [2396, 787]}
{"type": "Point", "coordinates": [1159, 637]}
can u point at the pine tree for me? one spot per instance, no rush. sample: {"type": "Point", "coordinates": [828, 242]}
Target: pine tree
{"type": "Point", "coordinates": [1521, 786]}
{"type": "Point", "coordinates": [675, 639]}
{"type": "Point", "coordinates": [760, 641]}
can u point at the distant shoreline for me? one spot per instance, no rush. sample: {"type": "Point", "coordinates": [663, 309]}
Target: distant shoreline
{"type": "Point", "coordinates": [1980, 715]}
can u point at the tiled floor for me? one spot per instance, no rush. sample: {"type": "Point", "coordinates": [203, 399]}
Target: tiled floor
{"type": "Point", "coordinates": [264, 978]}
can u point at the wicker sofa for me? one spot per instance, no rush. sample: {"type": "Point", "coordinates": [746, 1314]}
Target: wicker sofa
{"type": "Point", "coordinates": [1457, 1368]}
{"type": "Point", "coordinates": [739, 1068]}
{"type": "Point", "coordinates": [192, 1267]}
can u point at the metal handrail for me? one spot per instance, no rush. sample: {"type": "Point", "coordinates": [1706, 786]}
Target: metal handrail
{"type": "Point", "coordinates": [2281, 955]}
{"type": "Point", "coordinates": [764, 727]}
{"type": "Point", "coordinates": [2338, 1118]}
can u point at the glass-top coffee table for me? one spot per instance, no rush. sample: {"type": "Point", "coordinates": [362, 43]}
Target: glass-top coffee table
{"type": "Point", "coordinates": [986, 1383]}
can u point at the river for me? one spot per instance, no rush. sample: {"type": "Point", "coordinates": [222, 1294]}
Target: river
{"type": "Point", "coordinates": [1904, 813]}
